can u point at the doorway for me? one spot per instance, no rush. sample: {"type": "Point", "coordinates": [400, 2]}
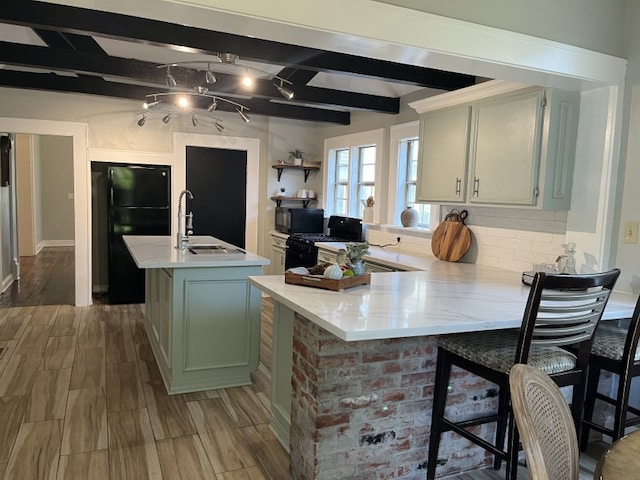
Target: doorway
{"type": "Point", "coordinates": [217, 178]}
{"type": "Point", "coordinates": [41, 186]}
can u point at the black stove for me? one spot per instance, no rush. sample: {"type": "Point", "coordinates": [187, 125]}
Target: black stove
{"type": "Point", "coordinates": [301, 247]}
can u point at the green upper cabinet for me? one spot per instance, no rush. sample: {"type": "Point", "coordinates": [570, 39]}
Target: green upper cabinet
{"type": "Point", "coordinates": [442, 169]}
{"type": "Point", "coordinates": [498, 143]}
{"type": "Point", "coordinates": [504, 150]}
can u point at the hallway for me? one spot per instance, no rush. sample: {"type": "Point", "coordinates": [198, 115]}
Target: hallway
{"type": "Point", "coordinates": [47, 278]}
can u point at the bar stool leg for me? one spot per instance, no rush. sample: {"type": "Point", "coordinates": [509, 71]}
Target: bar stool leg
{"type": "Point", "coordinates": [441, 388]}
{"type": "Point", "coordinates": [589, 404]}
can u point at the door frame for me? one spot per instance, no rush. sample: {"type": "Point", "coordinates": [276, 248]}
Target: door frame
{"type": "Point", "coordinates": [81, 192]}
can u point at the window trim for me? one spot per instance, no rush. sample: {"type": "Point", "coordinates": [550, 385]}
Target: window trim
{"type": "Point", "coordinates": [352, 142]}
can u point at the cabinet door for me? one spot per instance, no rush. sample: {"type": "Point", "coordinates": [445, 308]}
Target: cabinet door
{"type": "Point", "coordinates": [504, 150]}
{"type": "Point", "coordinates": [444, 138]}
{"type": "Point", "coordinates": [277, 264]}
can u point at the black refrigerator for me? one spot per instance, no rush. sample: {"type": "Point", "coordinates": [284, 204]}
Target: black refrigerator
{"type": "Point", "coordinates": [138, 204]}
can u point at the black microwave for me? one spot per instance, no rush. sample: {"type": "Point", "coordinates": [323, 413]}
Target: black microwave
{"type": "Point", "coordinates": [299, 220]}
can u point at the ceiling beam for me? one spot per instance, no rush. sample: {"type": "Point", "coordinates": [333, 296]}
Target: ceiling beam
{"type": "Point", "coordinates": [124, 27]}
{"type": "Point", "coordinates": [66, 60]}
{"type": "Point", "coordinates": [96, 86]}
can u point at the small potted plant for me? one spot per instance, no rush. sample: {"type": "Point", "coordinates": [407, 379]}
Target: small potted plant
{"type": "Point", "coordinates": [352, 255]}
{"type": "Point", "coordinates": [296, 156]}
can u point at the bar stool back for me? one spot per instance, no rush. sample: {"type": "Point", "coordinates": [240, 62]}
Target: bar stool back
{"type": "Point", "coordinates": [614, 350]}
{"type": "Point", "coordinates": [561, 310]}
{"type": "Point", "coordinates": [545, 425]}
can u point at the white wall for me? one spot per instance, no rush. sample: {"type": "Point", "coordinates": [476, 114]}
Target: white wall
{"type": "Point", "coordinates": [55, 163]}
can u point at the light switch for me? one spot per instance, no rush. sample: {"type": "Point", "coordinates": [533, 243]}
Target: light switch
{"type": "Point", "coordinates": [630, 232]}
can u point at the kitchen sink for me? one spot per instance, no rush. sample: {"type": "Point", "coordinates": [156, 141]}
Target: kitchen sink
{"type": "Point", "coordinates": [212, 249]}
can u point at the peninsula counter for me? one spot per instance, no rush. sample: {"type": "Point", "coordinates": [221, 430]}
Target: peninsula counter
{"type": "Point", "coordinates": [201, 316]}
{"type": "Point", "coordinates": [353, 371]}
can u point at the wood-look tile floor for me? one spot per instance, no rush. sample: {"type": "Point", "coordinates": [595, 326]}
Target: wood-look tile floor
{"type": "Point", "coordinates": [81, 398]}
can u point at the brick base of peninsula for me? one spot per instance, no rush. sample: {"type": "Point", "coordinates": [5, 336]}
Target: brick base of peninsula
{"type": "Point", "coordinates": [361, 410]}
{"type": "Point", "coordinates": [353, 371]}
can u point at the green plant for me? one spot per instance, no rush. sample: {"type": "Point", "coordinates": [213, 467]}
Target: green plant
{"type": "Point", "coordinates": [296, 153]}
{"type": "Point", "coordinates": [354, 251]}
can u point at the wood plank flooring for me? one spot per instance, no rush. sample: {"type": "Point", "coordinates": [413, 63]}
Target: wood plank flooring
{"type": "Point", "coordinates": [45, 279]}
{"type": "Point", "coordinates": [81, 398]}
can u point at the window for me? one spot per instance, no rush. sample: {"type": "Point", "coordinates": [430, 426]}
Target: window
{"type": "Point", "coordinates": [408, 157]}
{"type": "Point", "coordinates": [403, 153]}
{"type": "Point", "coordinates": [353, 173]}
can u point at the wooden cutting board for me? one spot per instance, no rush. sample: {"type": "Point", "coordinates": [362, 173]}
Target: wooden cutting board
{"type": "Point", "coordinates": [452, 238]}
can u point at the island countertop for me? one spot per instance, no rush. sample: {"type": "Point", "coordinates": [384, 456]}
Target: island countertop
{"type": "Point", "coordinates": [160, 252]}
{"type": "Point", "coordinates": [446, 298]}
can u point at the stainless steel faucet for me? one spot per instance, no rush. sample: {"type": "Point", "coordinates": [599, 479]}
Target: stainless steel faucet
{"type": "Point", "coordinates": [183, 235]}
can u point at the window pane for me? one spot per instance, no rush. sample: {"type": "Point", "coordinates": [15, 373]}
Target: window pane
{"type": "Point", "coordinates": [411, 194]}
{"type": "Point", "coordinates": [367, 164]}
{"type": "Point", "coordinates": [342, 165]}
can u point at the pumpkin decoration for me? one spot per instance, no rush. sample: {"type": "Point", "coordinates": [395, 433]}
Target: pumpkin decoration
{"type": "Point", "coordinates": [333, 271]}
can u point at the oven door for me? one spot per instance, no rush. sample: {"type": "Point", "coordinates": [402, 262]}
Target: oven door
{"type": "Point", "coordinates": [300, 258]}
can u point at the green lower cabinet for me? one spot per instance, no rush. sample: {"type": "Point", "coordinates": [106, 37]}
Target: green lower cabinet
{"type": "Point", "coordinates": [204, 326]}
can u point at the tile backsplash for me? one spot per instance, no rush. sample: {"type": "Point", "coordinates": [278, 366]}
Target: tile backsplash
{"type": "Point", "coordinates": [508, 238]}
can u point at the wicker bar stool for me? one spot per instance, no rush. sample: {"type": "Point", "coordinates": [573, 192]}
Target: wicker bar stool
{"type": "Point", "coordinates": [561, 310]}
{"type": "Point", "coordinates": [614, 350]}
{"type": "Point", "coordinates": [545, 425]}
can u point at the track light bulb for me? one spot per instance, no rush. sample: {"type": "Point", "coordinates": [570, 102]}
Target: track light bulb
{"type": "Point", "coordinates": [209, 77]}
{"type": "Point", "coordinates": [243, 115]}
{"type": "Point", "coordinates": [247, 80]}
{"type": "Point", "coordinates": [171, 82]}
{"type": "Point", "coordinates": [142, 120]}
{"type": "Point", "coordinates": [194, 120]}
{"type": "Point", "coordinates": [183, 102]}
{"type": "Point", "coordinates": [166, 118]}
{"type": "Point", "coordinates": [284, 91]}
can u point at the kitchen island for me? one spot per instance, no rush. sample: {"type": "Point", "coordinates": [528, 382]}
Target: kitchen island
{"type": "Point", "coordinates": [201, 316]}
{"type": "Point", "coordinates": [353, 371]}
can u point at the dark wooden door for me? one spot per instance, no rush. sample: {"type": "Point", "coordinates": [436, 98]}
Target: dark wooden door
{"type": "Point", "coordinates": [218, 180]}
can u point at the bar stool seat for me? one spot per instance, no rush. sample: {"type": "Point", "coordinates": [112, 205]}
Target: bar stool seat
{"type": "Point", "coordinates": [614, 350]}
{"type": "Point", "coordinates": [561, 311]}
{"type": "Point", "coordinates": [497, 350]}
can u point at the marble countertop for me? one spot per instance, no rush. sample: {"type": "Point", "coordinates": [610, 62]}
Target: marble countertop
{"type": "Point", "coordinates": [393, 258]}
{"type": "Point", "coordinates": [445, 298]}
{"type": "Point", "coordinates": [160, 252]}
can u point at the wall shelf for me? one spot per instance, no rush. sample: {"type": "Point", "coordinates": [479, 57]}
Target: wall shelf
{"type": "Point", "coordinates": [307, 169]}
{"type": "Point", "coordinates": [305, 201]}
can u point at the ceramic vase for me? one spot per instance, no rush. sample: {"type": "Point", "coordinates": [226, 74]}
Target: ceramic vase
{"type": "Point", "coordinates": [367, 215]}
{"type": "Point", "coordinates": [409, 217]}
{"type": "Point", "coordinates": [357, 266]}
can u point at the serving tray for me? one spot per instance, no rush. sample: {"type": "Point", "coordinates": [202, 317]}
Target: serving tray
{"type": "Point", "coordinates": [327, 283]}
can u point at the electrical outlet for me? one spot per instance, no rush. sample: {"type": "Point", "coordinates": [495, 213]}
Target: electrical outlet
{"type": "Point", "coordinates": [398, 239]}
{"type": "Point", "coordinates": [630, 232]}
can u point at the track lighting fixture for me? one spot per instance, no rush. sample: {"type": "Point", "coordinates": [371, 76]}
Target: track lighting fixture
{"type": "Point", "coordinates": [143, 119]}
{"type": "Point", "coordinates": [167, 118]}
{"type": "Point", "coordinates": [194, 120]}
{"type": "Point", "coordinates": [213, 106]}
{"type": "Point", "coordinates": [171, 82]}
{"type": "Point", "coordinates": [284, 91]}
{"type": "Point", "coordinates": [243, 115]}
{"type": "Point", "coordinates": [150, 105]}
{"type": "Point", "coordinates": [209, 77]}
{"type": "Point", "coordinates": [227, 59]}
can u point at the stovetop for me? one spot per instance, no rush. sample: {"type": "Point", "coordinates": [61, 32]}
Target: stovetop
{"type": "Point", "coordinates": [317, 237]}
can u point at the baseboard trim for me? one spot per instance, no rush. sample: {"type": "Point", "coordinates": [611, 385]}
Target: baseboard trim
{"type": "Point", "coordinates": [7, 282]}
